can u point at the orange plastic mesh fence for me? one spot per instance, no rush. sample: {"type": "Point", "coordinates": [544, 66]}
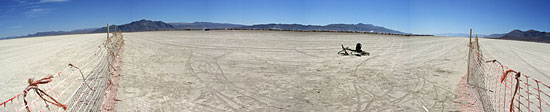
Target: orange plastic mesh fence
{"type": "Point", "coordinates": [68, 89]}
{"type": "Point", "coordinates": [492, 86]}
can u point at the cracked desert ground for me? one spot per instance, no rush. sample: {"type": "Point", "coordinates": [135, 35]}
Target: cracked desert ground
{"type": "Point", "coordinates": [273, 70]}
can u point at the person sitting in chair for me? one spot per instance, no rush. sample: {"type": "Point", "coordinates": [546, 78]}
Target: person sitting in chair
{"type": "Point", "coordinates": [358, 48]}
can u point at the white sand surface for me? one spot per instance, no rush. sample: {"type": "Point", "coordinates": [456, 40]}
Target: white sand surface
{"type": "Point", "coordinates": [42, 56]}
{"type": "Point", "coordinates": [288, 71]}
{"type": "Point", "coordinates": [39, 57]}
{"type": "Point", "coordinates": [529, 58]}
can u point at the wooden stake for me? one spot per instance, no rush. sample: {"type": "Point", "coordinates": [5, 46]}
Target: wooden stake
{"type": "Point", "coordinates": [469, 51]}
{"type": "Point", "coordinates": [477, 43]}
{"type": "Point", "coordinates": [470, 36]}
{"type": "Point", "coordinates": [107, 30]}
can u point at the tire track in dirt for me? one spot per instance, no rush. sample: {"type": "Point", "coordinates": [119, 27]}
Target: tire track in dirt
{"type": "Point", "coordinates": [409, 93]}
{"type": "Point", "coordinates": [516, 52]}
{"type": "Point", "coordinates": [379, 84]}
{"type": "Point", "coordinates": [538, 56]}
{"type": "Point", "coordinates": [383, 77]}
{"type": "Point", "coordinates": [234, 87]}
{"type": "Point", "coordinates": [214, 47]}
{"type": "Point", "coordinates": [216, 93]}
{"type": "Point", "coordinates": [446, 52]}
{"type": "Point", "coordinates": [354, 83]}
{"type": "Point", "coordinates": [510, 53]}
{"type": "Point", "coordinates": [237, 88]}
{"type": "Point", "coordinates": [166, 43]}
{"type": "Point", "coordinates": [141, 45]}
{"type": "Point", "coordinates": [302, 52]}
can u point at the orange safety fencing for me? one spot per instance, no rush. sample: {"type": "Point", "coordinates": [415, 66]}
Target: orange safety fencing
{"type": "Point", "coordinates": [75, 88]}
{"type": "Point", "coordinates": [492, 86]}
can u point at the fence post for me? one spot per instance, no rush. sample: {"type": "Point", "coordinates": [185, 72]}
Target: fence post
{"type": "Point", "coordinates": [477, 43]}
{"type": "Point", "coordinates": [469, 51]}
{"type": "Point", "coordinates": [470, 36]}
{"type": "Point", "coordinates": [107, 30]}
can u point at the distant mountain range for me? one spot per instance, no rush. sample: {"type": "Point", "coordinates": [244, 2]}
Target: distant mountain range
{"type": "Point", "coordinates": [453, 34]}
{"type": "Point", "coordinates": [529, 35]}
{"type": "Point", "coordinates": [141, 25]}
{"type": "Point", "coordinates": [148, 25]}
{"type": "Point", "coordinates": [202, 25]}
{"type": "Point", "coordinates": [493, 35]}
{"type": "Point", "coordinates": [330, 27]}
{"type": "Point", "coordinates": [468, 35]}
{"type": "Point", "coordinates": [49, 33]}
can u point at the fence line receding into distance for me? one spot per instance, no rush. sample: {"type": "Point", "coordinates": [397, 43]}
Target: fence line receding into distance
{"type": "Point", "coordinates": [493, 87]}
{"type": "Point", "coordinates": [89, 86]}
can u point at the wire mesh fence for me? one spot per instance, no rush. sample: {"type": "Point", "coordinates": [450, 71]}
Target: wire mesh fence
{"type": "Point", "coordinates": [78, 87]}
{"type": "Point", "coordinates": [492, 86]}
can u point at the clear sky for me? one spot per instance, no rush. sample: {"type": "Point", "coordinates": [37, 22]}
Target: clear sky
{"type": "Point", "coordinates": [20, 17]}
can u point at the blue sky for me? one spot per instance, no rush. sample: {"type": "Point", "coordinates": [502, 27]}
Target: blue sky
{"type": "Point", "coordinates": [20, 17]}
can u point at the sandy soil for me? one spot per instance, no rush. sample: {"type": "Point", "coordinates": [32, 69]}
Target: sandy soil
{"type": "Point", "coordinates": [37, 57]}
{"type": "Point", "coordinates": [529, 58]}
{"type": "Point", "coordinates": [43, 56]}
{"type": "Point", "coordinates": [271, 71]}
{"type": "Point", "coordinates": [288, 71]}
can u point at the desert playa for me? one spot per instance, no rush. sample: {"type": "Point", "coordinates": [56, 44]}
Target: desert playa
{"type": "Point", "coordinates": [272, 70]}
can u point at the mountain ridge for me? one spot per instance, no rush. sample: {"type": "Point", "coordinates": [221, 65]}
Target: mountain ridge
{"type": "Point", "coordinates": [529, 35]}
{"type": "Point", "coordinates": [149, 25]}
{"type": "Point", "coordinates": [141, 25]}
{"type": "Point", "coordinates": [329, 27]}
{"type": "Point", "coordinates": [202, 25]}
{"type": "Point", "coordinates": [50, 33]}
